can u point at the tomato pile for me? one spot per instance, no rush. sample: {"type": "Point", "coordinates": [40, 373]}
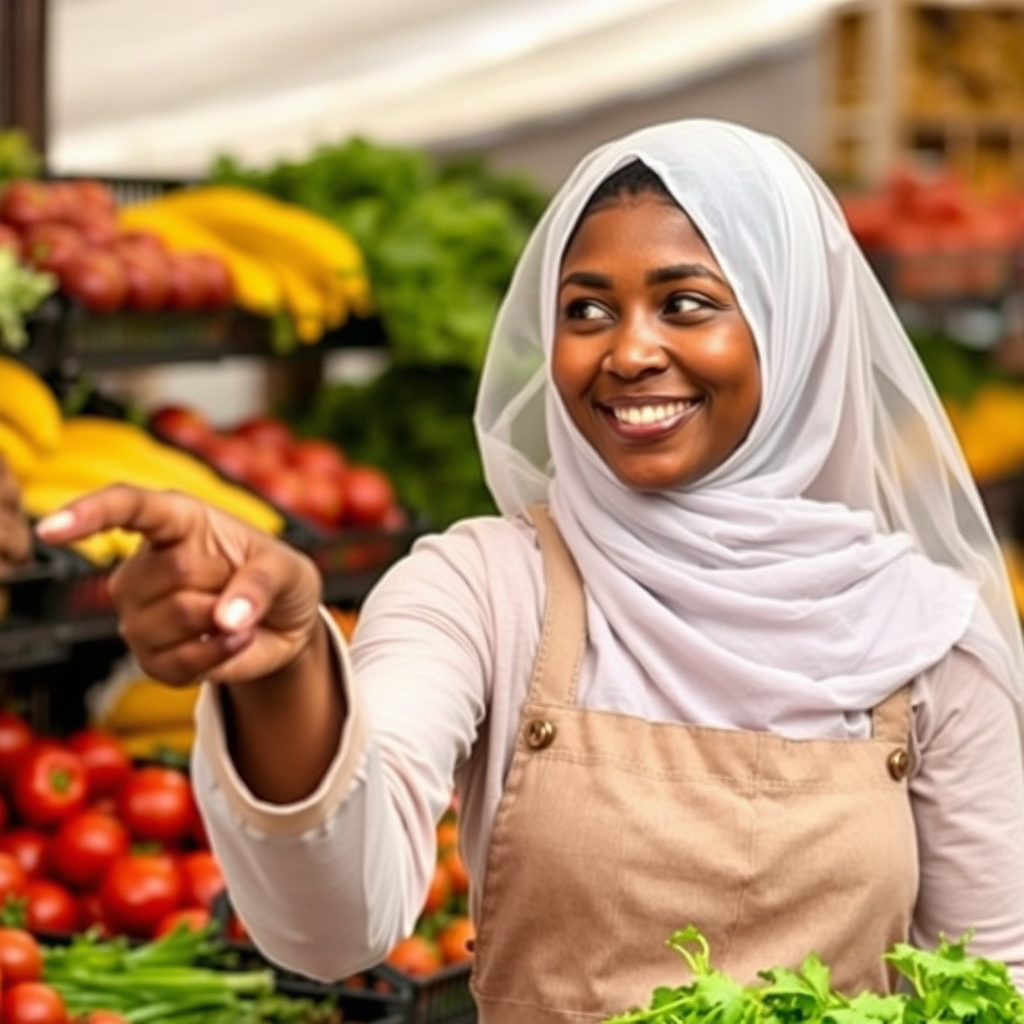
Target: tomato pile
{"type": "Point", "coordinates": [25, 997]}
{"type": "Point", "coordinates": [444, 933]}
{"type": "Point", "coordinates": [88, 839]}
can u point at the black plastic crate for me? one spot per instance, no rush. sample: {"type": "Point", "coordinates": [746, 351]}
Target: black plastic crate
{"type": "Point", "coordinates": [443, 997]}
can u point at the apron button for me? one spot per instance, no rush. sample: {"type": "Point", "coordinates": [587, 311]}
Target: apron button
{"type": "Point", "coordinates": [899, 764]}
{"type": "Point", "coordinates": [540, 733]}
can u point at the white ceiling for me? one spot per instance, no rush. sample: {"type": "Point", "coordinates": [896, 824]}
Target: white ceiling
{"type": "Point", "coordinates": [163, 86]}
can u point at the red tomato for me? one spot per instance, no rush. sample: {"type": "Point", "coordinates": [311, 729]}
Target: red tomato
{"type": "Point", "coordinates": [107, 762]}
{"type": "Point", "coordinates": [368, 495]}
{"type": "Point", "coordinates": [138, 892]}
{"type": "Point", "coordinates": [148, 277]}
{"type": "Point", "coordinates": [21, 957]}
{"type": "Point", "coordinates": [32, 1002]}
{"type": "Point", "coordinates": [90, 913]}
{"type": "Point", "coordinates": [49, 785]}
{"type": "Point", "coordinates": [16, 737]}
{"type": "Point", "coordinates": [102, 1017]}
{"type": "Point", "coordinates": [84, 846]}
{"type": "Point", "coordinates": [51, 246]}
{"type": "Point", "coordinates": [95, 278]}
{"type": "Point", "coordinates": [49, 907]}
{"type": "Point", "coordinates": [30, 848]}
{"type": "Point", "coordinates": [156, 805]}
{"type": "Point", "coordinates": [194, 919]}
{"type": "Point", "coordinates": [203, 878]}
{"type": "Point", "coordinates": [10, 239]}
{"type": "Point", "coordinates": [12, 878]}
{"type": "Point", "coordinates": [186, 282]}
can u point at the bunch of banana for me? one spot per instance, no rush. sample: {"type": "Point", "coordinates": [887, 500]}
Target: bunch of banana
{"type": "Point", "coordinates": [96, 452]}
{"type": "Point", "coordinates": [317, 268]}
{"type": "Point", "coordinates": [31, 422]}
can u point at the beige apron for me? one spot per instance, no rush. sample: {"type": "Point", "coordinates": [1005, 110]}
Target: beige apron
{"type": "Point", "coordinates": [613, 832]}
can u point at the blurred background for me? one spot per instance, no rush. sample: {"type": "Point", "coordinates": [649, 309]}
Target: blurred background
{"type": "Point", "coordinates": [252, 250]}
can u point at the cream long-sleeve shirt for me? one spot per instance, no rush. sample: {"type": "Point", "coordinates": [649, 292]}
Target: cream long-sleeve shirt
{"type": "Point", "coordinates": [435, 681]}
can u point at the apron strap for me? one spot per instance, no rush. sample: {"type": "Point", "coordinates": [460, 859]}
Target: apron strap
{"type": "Point", "coordinates": [563, 633]}
{"type": "Point", "coordinates": [890, 720]}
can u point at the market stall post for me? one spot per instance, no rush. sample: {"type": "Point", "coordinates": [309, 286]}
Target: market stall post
{"type": "Point", "coordinates": [23, 94]}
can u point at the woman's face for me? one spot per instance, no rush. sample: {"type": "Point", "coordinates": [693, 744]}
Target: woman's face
{"type": "Point", "coordinates": [653, 360]}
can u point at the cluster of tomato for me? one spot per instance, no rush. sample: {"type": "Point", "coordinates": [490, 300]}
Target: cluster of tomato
{"type": "Point", "coordinates": [25, 998]}
{"type": "Point", "coordinates": [444, 932]}
{"type": "Point", "coordinates": [90, 839]}
{"type": "Point", "coordinates": [70, 229]}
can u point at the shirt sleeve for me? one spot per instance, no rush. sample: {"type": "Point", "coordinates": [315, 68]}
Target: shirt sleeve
{"type": "Point", "coordinates": [968, 800]}
{"type": "Point", "coordinates": [328, 885]}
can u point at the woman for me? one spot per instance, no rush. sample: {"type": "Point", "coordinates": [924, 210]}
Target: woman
{"type": "Point", "coordinates": [739, 652]}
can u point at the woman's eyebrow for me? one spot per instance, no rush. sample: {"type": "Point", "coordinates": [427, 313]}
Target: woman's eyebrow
{"type": "Point", "coordinates": [586, 279]}
{"type": "Point", "coordinates": [663, 275]}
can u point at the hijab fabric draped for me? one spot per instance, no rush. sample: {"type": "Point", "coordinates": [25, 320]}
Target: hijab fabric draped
{"type": "Point", "coordinates": [842, 548]}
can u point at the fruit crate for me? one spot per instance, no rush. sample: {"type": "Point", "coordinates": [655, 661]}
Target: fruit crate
{"type": "Point", "coordinates": [353, 559]}
{"type": "Point", "coordinates": [443, 997]}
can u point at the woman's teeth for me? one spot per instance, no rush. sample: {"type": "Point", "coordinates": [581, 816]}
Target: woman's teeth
{"type": "Point", "coordinates": [640, 415]}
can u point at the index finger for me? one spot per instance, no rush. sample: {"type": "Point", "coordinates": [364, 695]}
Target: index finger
{"type": "Point", "coordinates": [162, 517]}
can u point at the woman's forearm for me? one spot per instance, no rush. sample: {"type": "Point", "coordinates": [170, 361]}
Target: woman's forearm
{"type": "Point", "coordinates": [284, 730]}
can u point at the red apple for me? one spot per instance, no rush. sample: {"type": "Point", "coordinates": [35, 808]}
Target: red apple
{"type": "Point", "coordinates": [218, 284]}
{"type": "Point", "coordinates": [95, 278]}
{"type": "Point", "coordinates": [149, 282]}
{"type": "Point", "coordinates": [266, 432]}
{"type": "Point", "coordinates": [51, 246]}
{"type": "Point", "coordinates": [228, 454]}
{"type": "Point", "coordinates": [188, 287]}
{"type": "Point", "coordinates": [369, 495]}
{"type": "Point", "coordinates": [181, 425]}
{"type": "Point", "coordinates": [316, 456]}
{"type": "Point", "coordinates": [25, 201]}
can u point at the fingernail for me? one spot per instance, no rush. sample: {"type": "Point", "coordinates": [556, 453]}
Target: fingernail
{"type": "Point", "coordinates": [236, 612]}
{"type": "Point", "coordinates": [56, 522]}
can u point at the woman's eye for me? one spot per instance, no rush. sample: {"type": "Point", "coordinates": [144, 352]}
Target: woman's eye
{"type": "Point", "coordinates": [584, 309]}
{"type": "Point", "coordinates": [687, 304]}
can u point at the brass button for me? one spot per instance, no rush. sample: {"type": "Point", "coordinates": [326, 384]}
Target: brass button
{"type": "Point", "coordinates": [899, 764]}
{"type": "Point", "coordinates": [540, 733]}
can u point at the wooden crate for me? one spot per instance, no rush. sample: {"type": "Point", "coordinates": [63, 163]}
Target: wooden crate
{"type": "Point", "coordinates": [931, 81]}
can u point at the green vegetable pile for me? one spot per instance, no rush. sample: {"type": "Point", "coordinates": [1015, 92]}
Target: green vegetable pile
{"type": "Point", "coordinates": [945, 986]}
{"type": "Point", "coordinates": [441, 239]}
{"type": "Point", "coordinates": [22, 291]}
{"type": "Point", "coordinates": [173, 979]}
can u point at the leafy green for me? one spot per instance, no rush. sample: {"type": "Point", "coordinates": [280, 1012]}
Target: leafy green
{"type": "Point", "coordinates": [947, 986]}
{"type": "Point", "coordinates": [22, 291]}
{"type": "Point", "coordinates": [18, 156]}
{"type": "Point", "coordinates": [440, 238]}
{"type": "Point", "coordinates": [415, 423]}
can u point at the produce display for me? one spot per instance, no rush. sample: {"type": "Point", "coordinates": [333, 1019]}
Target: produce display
{"type": "Point", "coordinates": [947, 984]}
{"type": "Point", "coordinates": [57, 459]}
{"type": "Point", "coordinates": [309, 477]}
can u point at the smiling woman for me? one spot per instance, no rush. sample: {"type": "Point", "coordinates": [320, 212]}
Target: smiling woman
{"type": "Point", "coordinates": [739, 652]}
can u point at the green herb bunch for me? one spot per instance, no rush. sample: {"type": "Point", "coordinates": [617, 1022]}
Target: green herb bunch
{"type": "Point", "coordinates": [944, 986]}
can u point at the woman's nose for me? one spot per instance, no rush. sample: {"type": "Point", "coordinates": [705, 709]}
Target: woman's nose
{"type": "Point", "coordinates": [635, 348]}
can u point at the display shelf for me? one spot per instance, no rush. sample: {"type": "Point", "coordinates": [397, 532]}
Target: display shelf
{"type": "Point", "coordinates": [931, 80]}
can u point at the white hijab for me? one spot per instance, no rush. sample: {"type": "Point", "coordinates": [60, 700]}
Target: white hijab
{"type": "Point", "coordinates": [838, 552]}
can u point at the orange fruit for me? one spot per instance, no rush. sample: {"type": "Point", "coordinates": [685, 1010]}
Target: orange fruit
{"type": "Point", "coordinates": [416, 955]}
{"type": "Point", "coordinates": [456, 941]}
{"type": "Point", "coordinates": [455, 868]}
{"type": "Point", "coordinates": [440, 891]}
{"type": "Point", "coordinates": [447, 835]}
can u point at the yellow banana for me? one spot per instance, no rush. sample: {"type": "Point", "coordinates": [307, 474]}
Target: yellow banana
{"type": "Point", "coordinates": [28, 404]}
{"type": "Point", "coordinates": [145, 705]}
{"type": "Point", "coordinates": [312, 307]}
{"type": "Point", "coordinates": [259, 223]}
{"type": "Point", "coordinates": [17, 450]}
{"type": "Point", "coordinates": [152, 744]}
{"type": "Point", "coordinates": [256, 288]}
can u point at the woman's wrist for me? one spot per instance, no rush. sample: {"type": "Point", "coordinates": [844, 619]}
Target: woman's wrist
{"type": "Point", "coordinates": [299, 709]}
